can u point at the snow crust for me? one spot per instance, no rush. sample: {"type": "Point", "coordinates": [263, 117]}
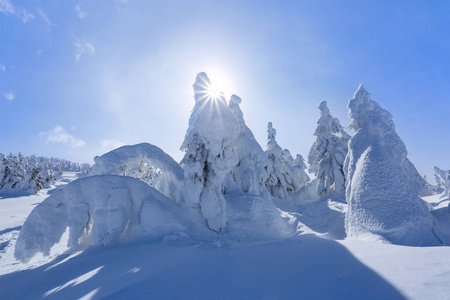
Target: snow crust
{"type": "Point", "coordinates": [146, 162]}
{"type": "Point", "coordinates": [382, 186]}
{"type": "Point", "coordinates": [98, 210]}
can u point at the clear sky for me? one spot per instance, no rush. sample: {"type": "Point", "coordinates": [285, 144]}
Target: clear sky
{"type": "Point", "coordinates": [78, 78]}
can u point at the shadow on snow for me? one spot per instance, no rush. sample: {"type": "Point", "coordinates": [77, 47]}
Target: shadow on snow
{"type": "Point", "coordinates": [308, 267]}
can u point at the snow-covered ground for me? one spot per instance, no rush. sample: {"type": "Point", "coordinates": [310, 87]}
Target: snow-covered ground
{"type": "Point", "coordinates": [317, 264]}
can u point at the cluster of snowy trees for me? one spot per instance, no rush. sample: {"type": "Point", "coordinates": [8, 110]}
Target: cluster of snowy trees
{"type": "Point", "coordinates": [32, 173]}
{"type": "Point", "coordinates": [226, 181]}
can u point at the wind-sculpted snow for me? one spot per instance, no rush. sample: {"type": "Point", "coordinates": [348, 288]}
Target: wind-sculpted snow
{"type": "Point", "coordinates": [210, 153]}
{"type": "Point", "coordinates": [382, 197]}
{"type": "Point", "coordinates": [146, 162]}
{"type": "Point", "coordinates": [99, 210]}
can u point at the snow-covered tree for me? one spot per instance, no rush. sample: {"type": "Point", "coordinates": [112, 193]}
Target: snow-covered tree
{"type": "Point", "coordinates": [327, 154]}
{"type": "Point", "coordinates": [381, 192]}
{"type": "Point", "coordinates": [210, 153]}
{"type": "Point", "coordinates": [18, 172]}
{"type": "Point", "coordinates": [251, 171]}
{"type": "Point", "coordinates": [443, 180]}
{"type": "Point", "coordinates": [286, 175]}
{"type": "Point", "coordinates": [146, 162]}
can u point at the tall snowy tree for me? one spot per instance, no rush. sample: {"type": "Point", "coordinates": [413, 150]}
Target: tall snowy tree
{"type": "Point", "coordinates": [327, 154]}
{"type": "Point", "coordinates": [286, 175]}
{"type": "Point", "coordinates": [443, 180]}
{"type": "Point", "coordinates": [210, 153]}
{"type": "Point", "coordinates": [251, 172]}
{"type": "Point", "coordinates": [382, 195]}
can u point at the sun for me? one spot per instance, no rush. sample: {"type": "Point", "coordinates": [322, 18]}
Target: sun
{"type": "Point", "coordinates": [214, 91]}
{"type": "Point", "coordinates": [220, 85]}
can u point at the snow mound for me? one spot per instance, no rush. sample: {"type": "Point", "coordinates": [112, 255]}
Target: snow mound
{"type": "Point", "coordinates": [382, 190]}
{"type": "Point", "coordinates": [146, 162]}
{"type": "Point", "coordinates": [98, 210]}
{"type": "Point", "coordinates": [252, 217]}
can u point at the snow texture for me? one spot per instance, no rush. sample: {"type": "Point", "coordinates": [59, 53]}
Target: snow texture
{"type": "Point", "coordinates": [327, 154]}
{"type": "Point", "coordinates": [382, 192]}
{"type": "Point", "coordinates": [286, 175]}
{"type": "Point", "coordinates": [98, 210]}
{"type": "Point", "coordinates": [146, 162]}
{"type": "Point", "coordinates": [250, 174]}
{"type": "Point", "coordinates": [210, 153]}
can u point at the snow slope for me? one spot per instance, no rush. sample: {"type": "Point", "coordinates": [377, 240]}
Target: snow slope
{"type": "Point", "coordinates": [299, 267]}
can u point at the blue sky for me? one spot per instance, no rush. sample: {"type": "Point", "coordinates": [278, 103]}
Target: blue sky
{"type": "Point", "coordinates": [78, 78]}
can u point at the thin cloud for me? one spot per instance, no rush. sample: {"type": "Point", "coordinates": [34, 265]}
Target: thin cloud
{"type": "Point", "coordinates": [3, 68]}
{"type": "Point", "coordinates": [79, 12]}
{"type": "Point", "coordinates": [26, 16]}
{"type": "Point", "coordinates": [9, 96]}
{"type": "Point", "coordinates": [83, 48]}
{"type": "Point", "coordinates": [44, 16]}
{"type": "Point", "coordinates": [6, 7]}
{"type": "Point", "coordinates": [60, 135]}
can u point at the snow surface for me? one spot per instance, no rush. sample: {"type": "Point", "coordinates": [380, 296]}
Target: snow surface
{"type": "Point", "coordinates": [299, 267]}
{"type": "Point", "coordinates": [146, 162]}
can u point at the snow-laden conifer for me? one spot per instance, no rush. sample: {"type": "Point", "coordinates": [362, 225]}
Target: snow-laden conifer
{"type": "Point", "coordinates": [210, 153]}
{"type": "Point", "coordinates": [327, 154]}
{"type": "Point", "coordinates": [251, 172]}
{"type": "Point", "coordinates": [286, 175]}
{"type": "Point", "coordinates": [443, 180]}
{"type": "Point", "coordinates": [381, 192]}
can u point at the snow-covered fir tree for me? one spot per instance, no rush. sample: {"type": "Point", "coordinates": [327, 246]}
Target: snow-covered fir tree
{"type": "Point", "coordinates": [251, 172]}
{"type": "Point", "coordinates": [286, 175]}
{"type": "Point", "coordinates": [382, 191]}
{"type": "Point", "coordinates": [210, 153]}
{"type": "Point", "coordinates": [32, 173]}
{"type": "Point", "coordinates": [327, 154]}
{"type": "Point", "coordinates": [443, 180]}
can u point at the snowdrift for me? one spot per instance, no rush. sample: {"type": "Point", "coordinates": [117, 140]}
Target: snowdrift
{"type": "Point", "coordinates": [99, 210]}
{"type": "Point", "coordinates": [146, 162]}
{"type": "Point", "coordinates": [382, 185]}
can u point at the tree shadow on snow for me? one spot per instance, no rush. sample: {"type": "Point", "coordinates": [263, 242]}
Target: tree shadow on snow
{"type": "Point", "coordinates": [305, 268]}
